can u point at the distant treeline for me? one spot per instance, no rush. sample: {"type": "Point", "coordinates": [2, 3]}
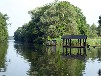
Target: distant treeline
{"type": "Point", "coordinates": [10, 38]}
{"type": "Point", "coordinates": [54, 20]}
{"type": "Point", "coordinates": [3, 27]}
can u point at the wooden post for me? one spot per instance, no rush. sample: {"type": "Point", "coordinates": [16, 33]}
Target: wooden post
{"type": "Point", "coordinates": [80, 45]}
{"type": "Point", "coordinates": [70, 45]}
{"type": "Point", "coordinates": [66, 51]}
{"type": "Point", "coordinates": [70, 42]}
{"type": "Point", "coordinates": [85, 43]}
{"type": "Point", "coordinates": [78, 52]}
{"type": "Point", "coordinates": [63, 42]}
{"type": "Point", "coordinates": [80, 42]}
{"type": "Point", "coordinates": [84, 50]}
{"type": "Point", "coordinates": [70, 51]}
{"type": "Point", "coordinates": [66, 41]}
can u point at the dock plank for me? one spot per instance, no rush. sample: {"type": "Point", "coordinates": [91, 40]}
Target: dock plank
{"type": "Point", "coordinates": [73, 46]}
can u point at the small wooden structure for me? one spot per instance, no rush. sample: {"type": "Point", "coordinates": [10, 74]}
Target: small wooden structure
{"type": "Point", "coordinates": [67, 41]}
{"type": "Point", "coordinates": [81, 42]}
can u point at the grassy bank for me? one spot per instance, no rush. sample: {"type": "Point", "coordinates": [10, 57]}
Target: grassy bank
{"type": "Point", "coordinates": [94, 42]}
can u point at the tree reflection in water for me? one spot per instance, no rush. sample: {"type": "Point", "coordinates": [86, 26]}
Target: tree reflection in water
{"type": "Point", "coordinates": [47, 61]}
{"type": "Point", "coordinates": [3, 52]}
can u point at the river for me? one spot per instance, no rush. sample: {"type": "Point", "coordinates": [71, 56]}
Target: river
{"type": "Point", "coordinates": [17, 59]}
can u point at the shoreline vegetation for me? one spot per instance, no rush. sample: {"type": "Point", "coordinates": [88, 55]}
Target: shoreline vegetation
{"type": "Point", "coordinates": [94, 41]}
{"type": "Point", "coordinates": [3, 27]}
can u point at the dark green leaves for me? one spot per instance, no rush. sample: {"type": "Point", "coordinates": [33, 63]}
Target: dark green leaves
{"type": "Point", "coordinates": [3, 27]}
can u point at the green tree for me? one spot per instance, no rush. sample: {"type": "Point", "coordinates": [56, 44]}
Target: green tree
{"type": "Point", "coordinates": [93, 31]}
{"type": "Point", "coordinates": [3, 27]}
{"type": "Point", "coordinates": [99, 27]}
{"type": "Point", "coordinates": [52, 20]}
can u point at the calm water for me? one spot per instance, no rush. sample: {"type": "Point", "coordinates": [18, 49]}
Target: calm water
{"type": "Point", "coordinates": [18, 59]}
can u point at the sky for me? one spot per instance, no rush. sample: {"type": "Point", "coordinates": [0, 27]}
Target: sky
{"type": "Point", "coordinates": [17, 10]}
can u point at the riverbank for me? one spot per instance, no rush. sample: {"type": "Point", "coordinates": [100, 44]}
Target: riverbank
{"type": "Point", "coordinates": [94, 42]}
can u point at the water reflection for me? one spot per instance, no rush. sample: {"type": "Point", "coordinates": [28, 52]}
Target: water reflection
{"type": "Point", "coordinates": [3, 52]}
{"type": "Point", "coordinates": [70, 51]}
{"type": "Point", "coordinates": [99, 54]}
{"type": "Point", "coordinates": [14, 63]}
{"type": "Point", "coordinates": [19, 59]}
{"type": "Point", "coordinates": [32, 54]}
{"type": "Point", "coordinates": [49, 62]}
{"type": "Point", "coordinates": [93, 62]}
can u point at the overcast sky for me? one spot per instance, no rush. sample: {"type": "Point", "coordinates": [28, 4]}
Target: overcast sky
{"type": "Point", "coordinates": [17, 10]}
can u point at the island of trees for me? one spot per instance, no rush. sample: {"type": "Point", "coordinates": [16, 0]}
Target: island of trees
{"type": "Point", "coordinates": [54, 20]}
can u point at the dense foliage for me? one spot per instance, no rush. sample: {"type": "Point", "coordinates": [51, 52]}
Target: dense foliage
{"type": "Point", "coordinates": [3, 27]}
{"type": "Point", "coordinates": [53, 21]}
{"type": "Point", "coordinates": [99, 27]}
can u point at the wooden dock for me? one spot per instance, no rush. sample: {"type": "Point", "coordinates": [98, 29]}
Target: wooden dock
{"type": "Point", "coordinates": [81, 43]}
{"type": "Point", "coordinates": [73, 46]}
{"type": "Point", "coordinates": [81, 39]}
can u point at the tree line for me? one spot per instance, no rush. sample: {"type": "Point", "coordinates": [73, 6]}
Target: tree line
{"type": "Point", "coordinates": [54, 20]}
{"type": "Point", "coordinates": [3, 27]}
